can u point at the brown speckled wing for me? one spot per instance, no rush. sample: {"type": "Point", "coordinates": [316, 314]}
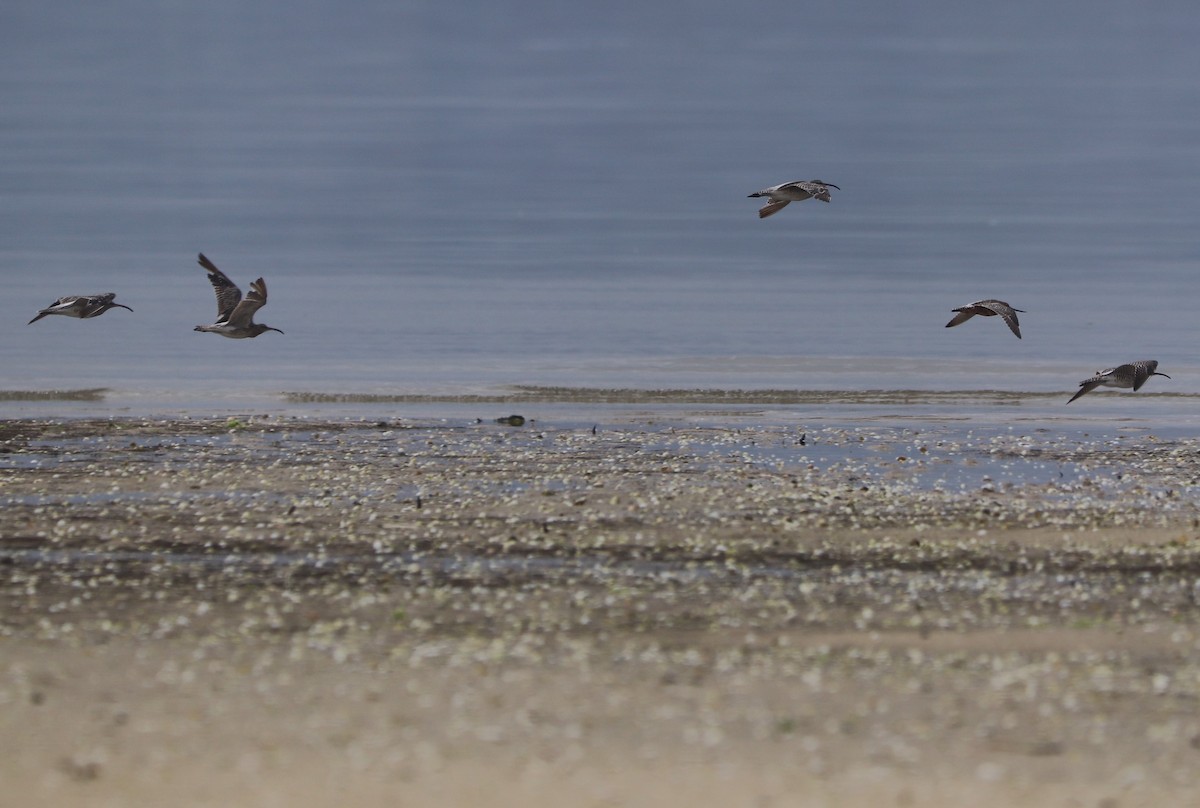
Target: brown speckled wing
{"type": "Point", "coordinates": [228, 295]}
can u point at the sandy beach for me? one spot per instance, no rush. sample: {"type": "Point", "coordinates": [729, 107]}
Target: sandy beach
{"type": "Point", "coordinates": [309, 612]}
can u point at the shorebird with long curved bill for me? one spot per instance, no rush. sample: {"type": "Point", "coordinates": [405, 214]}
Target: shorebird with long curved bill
{"type": "Point", "coordinates": [988, 308]}
{"type": "Point", "coordinates": [235, 314]}
{"type": "Point", "coordinates": [80, 306]}
{"type": "Point", "coordinates": [778, 196]}
{"type": "Point", "coordinates": [1132, 375]}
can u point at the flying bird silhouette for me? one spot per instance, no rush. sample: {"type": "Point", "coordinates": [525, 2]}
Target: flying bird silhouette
{"type": "Point", "coordinates": [778, 196]}
{"type": "Point", "coordinates": [80, 306]}
{"type": "Point", "coordinates": [988, 308]}
{"type": "Point", "coordinates": [1133, 374]}
{"type": "Point", "coordinates": [235, 314]}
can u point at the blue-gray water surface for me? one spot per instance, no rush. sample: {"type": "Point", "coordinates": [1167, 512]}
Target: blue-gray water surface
{"type": "Point", "coordinates": [454, 197]}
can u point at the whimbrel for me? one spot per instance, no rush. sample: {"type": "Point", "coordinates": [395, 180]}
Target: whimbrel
{"type": "Point", "coordinates": [235, 314]}
{"type": "Point", "coordinates": [796, 191]}
{"type": "Point", "coordinates": [80, 306]}
{"type": "Point", "coordinates": [1132, 375]}
{"type": "Point", "coordinates": [988, 308]}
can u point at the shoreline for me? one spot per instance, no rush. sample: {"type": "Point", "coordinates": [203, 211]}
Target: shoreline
{"type": "Point", "coordinates": [471, 611]}
{"type": "Point", "coordinates": [516, 393]}
{"type": "Point", "coordinates": [1167, 414]}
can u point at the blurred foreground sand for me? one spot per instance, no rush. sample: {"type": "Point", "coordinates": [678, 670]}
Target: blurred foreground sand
{"type": "Point", "coordinates": [271, 616]}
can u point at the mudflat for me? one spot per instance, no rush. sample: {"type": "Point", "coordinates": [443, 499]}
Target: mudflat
{"type": "Point", "coordinates": [303, 612]}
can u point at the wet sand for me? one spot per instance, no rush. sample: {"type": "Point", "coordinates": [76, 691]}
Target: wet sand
{"type": "Point", "coordinates": [269, 611]}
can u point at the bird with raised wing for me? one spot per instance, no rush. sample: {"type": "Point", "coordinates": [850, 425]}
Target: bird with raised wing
{"type": "Point", "coordinates": [235, 314]}
{"type": "Point", "coordinates": [988, 308]}
{"type": "Point", "coordinates": [80, 306]}
{"type": "Point", "coordinates": [778, 196]}
{"type": "Point", "coordinates": [1133, 374]}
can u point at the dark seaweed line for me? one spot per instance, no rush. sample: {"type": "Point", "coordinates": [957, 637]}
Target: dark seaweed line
{"type": "Point", "coordinates": [86, 394]}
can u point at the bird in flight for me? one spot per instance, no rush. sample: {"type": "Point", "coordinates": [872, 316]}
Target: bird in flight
{"type": "Point", "coordinates": [778, 196]}
{"type": "Point", "coordinates": [988, 308]}
{"type": "Point", "coordinates": [1133, 374]}
{"type": "Point", "coordinates": [235, 314]}
{"type": "Point", "coordinates": [80, 306]}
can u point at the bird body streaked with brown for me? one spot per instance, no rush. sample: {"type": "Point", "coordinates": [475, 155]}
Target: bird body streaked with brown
{"type": "Point", "coordinates": [1133, 374]}
{"type": "Point", "coordinates": [988, 308]}
{"type": "Point", "coordinates": [779, 196]}
{"type": "Point", "coordinates": [235, 314]}
{"type": "Point", "coordinates": [81, 307]}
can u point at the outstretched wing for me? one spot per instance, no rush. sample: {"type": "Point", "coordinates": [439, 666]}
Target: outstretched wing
{"type": "Point", "coordinates": [243, 313]}
{"type": "Point", "coordinates": [817, 190]}
{"type": "Point", "coordinates": [1142, 370]}
{"type": "Point", "coordinates": [94, 305]}
{"type": "Point", "coordinates": [1087, 386]}
{"type": "Point", "coordinates": [964, 314]}
{"type": "Point", "coordinates": [772, 207]}
{"type": "Point", "coordinates": [228, 295]}
{"type": "Point", "coordinates": [1004, 310]}
{"type": "Point", "coordinates": [62, 304]}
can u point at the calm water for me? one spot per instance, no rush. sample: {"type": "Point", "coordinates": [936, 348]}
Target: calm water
{"type": "Point", "coordinates": [452, 197]}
